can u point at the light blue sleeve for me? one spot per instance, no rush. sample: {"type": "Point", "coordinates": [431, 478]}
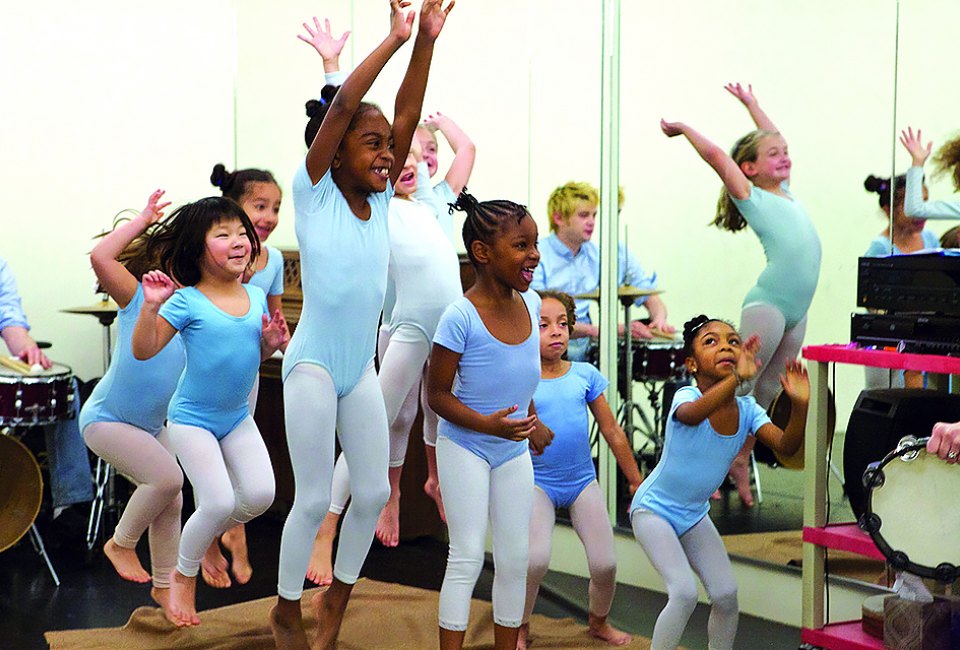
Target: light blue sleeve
{"type": "Point", "coordinates": [915, 206]}
{"type": "Point", "coordinates": [757, 417]}
{"type": "Point", "coordinates": [453, 329]}
{"type": "Point", "coordinates": [596, 383]}
{"type": "Point", "coordinates": [930, 239]}
{"type": "Point", "coordinates": [176, 310]}
{"type": "Point", "coordinates": [445, 196]}
{"type": "Point", "coordinates": [309, 197]}
{"type": "Point", "coordinates": [335, 78]}
{"type": "Point", "coordinates": [682, 396]}
{"type": "Point", "coordinates": [879, 247]}
{"type": "Point", "coordinates": [11, 309]}
{"type": "Point", "coordinates": [261, 299]}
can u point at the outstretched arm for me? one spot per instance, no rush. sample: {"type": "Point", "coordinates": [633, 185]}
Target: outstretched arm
{"type": "Point", "coordinates": [464, 151]}
{"type": "Point", "coordinates": [113, 276]}
{"type": "Point", "coordinates": [748, 99]}
{"type": "Point", "coordinates": [347, 101]}
{"type": "Point", "coordinates": [914, 204]}
{"type": "Point", "coordinates": [736, 182]}
{"type": "Point", "coordinates": [409, 102]}
{"type": "Point", "coordinates": [617, 440]}
{"type": "Point", "coordinates": [796, 385]}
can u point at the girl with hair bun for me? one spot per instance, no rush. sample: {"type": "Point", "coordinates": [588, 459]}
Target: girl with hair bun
{"type": "Point", "coordinates": [706, 428]}
{"type": "Point", "coordinates": [489, 341]}
{"type": "Point", "coordinates": [756, 193]}
{"type": "Point", "coordinates": [947, 161]}
{"type": "Point", "coordinates": [909, 235]}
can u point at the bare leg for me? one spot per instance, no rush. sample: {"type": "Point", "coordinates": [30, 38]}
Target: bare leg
{"type": "Point", "coordinates": [432, 486]}
{"type": "Point", "coordinates": [330, 606]}
{"type": "Point", "coordinates": [125, 561]}
{"type": "Point", "coordinates": [388, 525]}
{"type": "Point", "coordinates": [213, 566]}
{"type": "Point", "coordinates": [523, 637]}
{"type": "Point", "coordinates": [505, 638]}
{"type": "Point", "coordinates": [235, 539]}
{"type": "Point", "coordinates": [451, 639]}
{"type": "Point", "coordinates": [286, 623]}
{"type": "Point", "coordinates": [183, 598]}
{"type": "Point", "coordinates": [161, 596]}
{"type": "Point", "coordinates": [320, 569]}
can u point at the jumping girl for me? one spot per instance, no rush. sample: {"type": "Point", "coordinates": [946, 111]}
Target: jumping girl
{"type": "Point", "coordinates": [756, 193]}
{"type": "Point", "coordinates": [341, 194]}
{"type": "Point", "coordinates": [488, 341]}
{"type": "Point", "coordinates": [564, 475]}
{"type": "Point", "coordinates": [226, 330]}
{"type": "Point", "coordinates": [123, 420]}
{"type": "Point", "coordinates": [706, 428]}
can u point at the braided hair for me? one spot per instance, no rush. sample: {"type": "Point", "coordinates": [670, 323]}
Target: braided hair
{"type": "Point", "coordinates": [692, 326]}
{"type": "Point", "coordinates": [485, 219]}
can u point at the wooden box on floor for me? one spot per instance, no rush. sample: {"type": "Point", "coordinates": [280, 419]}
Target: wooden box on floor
{"type": "Point", "coordinates": [909, 625]}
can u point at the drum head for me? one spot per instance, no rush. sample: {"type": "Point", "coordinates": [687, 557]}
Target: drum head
{"type": "Point", "coordinates": [55, 370]}
{"type": "Point", "coordinates": [21, 490]}
{"type": "Point", "coordinates": [912, 514]}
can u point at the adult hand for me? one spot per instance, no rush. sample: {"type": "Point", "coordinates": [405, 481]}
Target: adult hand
{"type": "Point", "coordinates": [945, 441]}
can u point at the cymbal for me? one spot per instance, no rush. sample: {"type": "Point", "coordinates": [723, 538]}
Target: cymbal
{"type": "Point", "coordinates": [96, 309]}
{"type": "Point", "coordinates": [626, 291]}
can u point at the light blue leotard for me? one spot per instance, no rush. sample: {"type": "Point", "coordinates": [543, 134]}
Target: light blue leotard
{"type": "Point", "coordinates": [270, 277]}
{"type": "Point", "coordinates": [438, 197]}
{"type": "Point", "coordinates": [880, 246]}
{"type": "Point", "coordinates": [694, 463]}
{"type": "Point", "coordinates": [223, 357]}
{"type": "Point", "coordinates": [565, 467]}
{"type": "Point", "coordinates": [792, 248]}
{"type": "Point", "coordinates": [491, 375]}
{"type": "Point", "coordinates": [343, 266]}
{"type": "Point", "coordinates": [133, 391]}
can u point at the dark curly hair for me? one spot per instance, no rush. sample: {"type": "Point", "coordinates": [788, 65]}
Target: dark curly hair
{"type": "Point", "coordinates": [692, 326]}
{"type": "Point", "coordinates": [234, 184]}
{"type": "Point", "coordinates": [568, 305]}
{"type": "Point", "coordinates": [881, 186]}
{"type": "Point", "coordinates": [317, 110]}
{"type": "Point", "coordinates": [947, 161]}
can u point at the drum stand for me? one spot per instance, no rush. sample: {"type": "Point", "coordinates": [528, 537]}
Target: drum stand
{"type": "Point", "coordinates": [629, 408]}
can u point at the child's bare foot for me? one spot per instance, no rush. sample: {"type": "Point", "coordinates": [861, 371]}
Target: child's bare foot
{"type": "Point", "coordinates": [330, 606]}
{"type": "Point", "coordinates": [601, 629]}
{"type": "Point", "coordinates": [125, 561]}
{"type": "Point", "coordinates": [432, 488]}
{"type": "Point", "coordinates": [287, 626]}
{"type": "Point", "coordinates": [183, 598]}
{"type": "Point", "coordinates": [740, 472]}
{"type": "Point", "coordinates": [523, 637]}
{"type": "Point", "coordinates": [213, 567]}
{"type": "Point", "coordinates": [320, 569]}
{"type": "Point", "coordinates": [388, 525]}
{"type": "Point", "coordinates": [161, 596]}
{"type": "Point", "coordinates": [235, 539]}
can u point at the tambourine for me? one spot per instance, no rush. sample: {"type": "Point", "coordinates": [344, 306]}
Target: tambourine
{"type": "Point", "coordinates": [912, 512]}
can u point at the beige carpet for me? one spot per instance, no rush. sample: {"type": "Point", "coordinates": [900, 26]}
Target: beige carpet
{"type": "Point", "coordinates": [381, 616]}
{"type": "Point", "coordinates": [786, 548]}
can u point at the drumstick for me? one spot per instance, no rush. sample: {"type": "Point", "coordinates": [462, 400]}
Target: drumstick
{"type": "Point", "coordinates": [15, 364]}
{"type": "Point", "coordinates": [660, 334]}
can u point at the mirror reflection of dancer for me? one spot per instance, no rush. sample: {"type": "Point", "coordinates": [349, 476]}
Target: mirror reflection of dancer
{"type": "Point", "coordinates": [341, 193]}
{"type": "Point", "coordinates": [756, 193]}
{"type": "Point", "coordinates": [564, 474]}
{"type": "Point", "coordinates": [123, 419]}
{"type": "Point", "coordinates": [706, 428]}
{"type": "Point", "coordinates": [947, 161]}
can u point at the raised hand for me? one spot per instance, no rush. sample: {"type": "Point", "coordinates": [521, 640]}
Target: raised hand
{"type": "Point", "coordinates": [157, 287]}
{"type": "Point", "coordinates": [434, 121]}
{"type": "Point", "coordinates": [433, 16]}
{"type": "Point", "coordinates": [748, 364]}
{"type": "Point", "coordinates": [671, 129]}
{"type": "Point", "coordinates": [154, 210]}
{"type": "Point", "coordinates": [745, 96]}
{"type": "Point", "coordinates": [501, 425]}
{"type": "Point", "coordinates": [322, 40]}
{"type": "Point", "coordinates": [274, 331]}
{"type": "Point", "coordinates": [401, 24]}
{"type": "Point", "coordinates": [796, 383]}
{"type": "Point", "coordinates": [914, 144]}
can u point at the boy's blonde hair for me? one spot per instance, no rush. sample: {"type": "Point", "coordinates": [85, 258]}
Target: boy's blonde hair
{"type": "Point", "coordinates": [564, 200]}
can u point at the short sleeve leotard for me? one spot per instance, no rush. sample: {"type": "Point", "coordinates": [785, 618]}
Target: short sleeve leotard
{"type": "Point", "coordinates": [270, 277]}
{"type": "Point", "coordinates": [694, 463]}
{"type": "Point", "coordinates": [491, 375]}
{"type": "Point", "coordinates": [223, 357]}
{"type": "Point", "coordinates": [565, 467]}
{"type": "Point", "coordinates": [880, 246]}
{"type": "Point", "coordinates": [343, 267]}
{"type": "Point", "coordinates": [133, 391]}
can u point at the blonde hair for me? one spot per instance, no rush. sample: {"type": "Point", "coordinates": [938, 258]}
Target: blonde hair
{"type": "Point", "coordinates": [746, 149]}
{"type": "Point", "coordinates": [947, 161]}
{"type": "Point", "coordinates": [564, 200]}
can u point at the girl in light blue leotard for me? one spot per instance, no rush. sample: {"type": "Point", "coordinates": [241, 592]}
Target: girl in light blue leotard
{"type": "Point", "coordinates": [706, 428]}
{"type": "Point", "coordinates": [756, 193]}
{"type": "Point", "coordinates": [226, 331]}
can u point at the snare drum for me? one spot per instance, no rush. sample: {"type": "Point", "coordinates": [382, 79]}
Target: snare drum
{"type": "Point", "coordinates": [911, 513]}
{"type": "Point", "coordinates": [43, 398]}
{"type": "Point", "coordinates": [658, 361]}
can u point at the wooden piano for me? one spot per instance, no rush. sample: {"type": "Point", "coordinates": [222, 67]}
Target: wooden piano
{"type": "Point", "coordinates": [418, 513]}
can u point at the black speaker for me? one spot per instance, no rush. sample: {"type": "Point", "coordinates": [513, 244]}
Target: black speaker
{"type": "Point", "coordinates": [880, 418]}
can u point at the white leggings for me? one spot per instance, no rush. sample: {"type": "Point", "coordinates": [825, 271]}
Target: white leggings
{"type": "Point", "coordinates": [779, 344]}
{"type": "Point", "coordinates": [403, 367]}
{"type": "Point", "coordinates": [313, 415]}
{"type": "Point", "coordinates": [700, 550]}
{"type": "Point", "coordinates": [232, 480]}
{"type": "Point", "coordinates": [472, 492]}
{"type": "Point", "coordinates": [149, 463]}
{"type": "Point", "coordinates": [592, 524]}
